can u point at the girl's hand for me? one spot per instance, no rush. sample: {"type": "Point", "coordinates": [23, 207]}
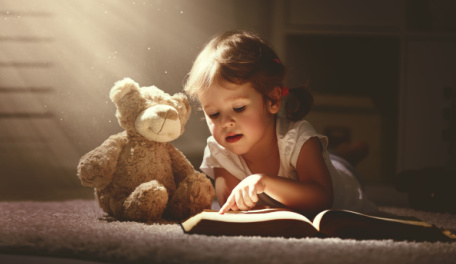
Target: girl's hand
{"type": "Point", "coordinates": [244, 195]}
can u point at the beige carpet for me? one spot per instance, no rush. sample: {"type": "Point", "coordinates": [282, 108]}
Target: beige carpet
{"type": "Point", "coordinates": [78, 230]}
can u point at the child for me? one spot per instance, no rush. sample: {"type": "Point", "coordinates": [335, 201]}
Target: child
{"type": "Point", "coordinates": [258, 156]}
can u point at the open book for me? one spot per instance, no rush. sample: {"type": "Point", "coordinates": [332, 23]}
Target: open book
{"type": "Point", "coordinates": [329, 223]}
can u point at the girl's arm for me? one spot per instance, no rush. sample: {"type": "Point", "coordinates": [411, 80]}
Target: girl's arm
{"type": "Point", "coordinates": [311, 193]}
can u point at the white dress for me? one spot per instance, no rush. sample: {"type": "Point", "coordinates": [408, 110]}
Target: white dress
{"type": "Point", "coordinates": [348, 193]}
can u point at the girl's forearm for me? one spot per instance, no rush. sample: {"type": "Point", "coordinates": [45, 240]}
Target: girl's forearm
{"type": "Point", "coordinates": [305, 197]}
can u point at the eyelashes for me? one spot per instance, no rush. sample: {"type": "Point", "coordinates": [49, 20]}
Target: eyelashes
{"type": "Point", "coordinates": [213, 116]}
{"type": "Point", "coordinates": [236, 109]}
{"type": "Point", "coordinates": [239, 109]}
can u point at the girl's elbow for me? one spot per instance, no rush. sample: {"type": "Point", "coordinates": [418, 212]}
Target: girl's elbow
{"type": "Point", "coordinates": [324, 200]}
{"type": "Point", "coordinates": [319, 203]}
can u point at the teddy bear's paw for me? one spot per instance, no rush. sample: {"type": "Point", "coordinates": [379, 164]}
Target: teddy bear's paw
{"type": "Point", "coordinates": [202, 191]}
{"type": "Point", "coordinates": [95, 181]}
{"type": "Point", "coordinates": [93, 176]}
{"type": "Point", "coordinates": [147, 202]}
{"type": "Point", "coordinates": [194, 194]}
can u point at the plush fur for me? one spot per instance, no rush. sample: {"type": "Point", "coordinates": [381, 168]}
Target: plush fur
{"type": "Point", "coordinates": [137, 174]}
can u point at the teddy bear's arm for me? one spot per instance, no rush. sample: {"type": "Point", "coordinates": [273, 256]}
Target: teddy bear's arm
{"type": "Point", "coordinates": [180, 164]}
{"type": "Point", "coordinates": [97, 167]}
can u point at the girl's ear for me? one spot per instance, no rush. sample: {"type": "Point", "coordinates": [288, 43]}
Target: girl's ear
{"type": "Point", "coordinates": [274, 101]}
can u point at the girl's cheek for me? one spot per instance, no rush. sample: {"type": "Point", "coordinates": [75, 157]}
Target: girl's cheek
{"type": "Point", "coordinates": [211, 126]}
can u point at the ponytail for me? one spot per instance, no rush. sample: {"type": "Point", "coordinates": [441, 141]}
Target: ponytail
{"type": "Point", "coordinates": [298, 103]}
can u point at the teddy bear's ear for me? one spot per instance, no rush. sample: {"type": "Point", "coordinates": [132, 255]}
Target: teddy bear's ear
{"type": "Point", "coordinates": [122, 88]}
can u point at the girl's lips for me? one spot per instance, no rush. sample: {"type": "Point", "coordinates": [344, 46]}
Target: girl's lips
{"type": "Point", "coordinates": [234, 138]}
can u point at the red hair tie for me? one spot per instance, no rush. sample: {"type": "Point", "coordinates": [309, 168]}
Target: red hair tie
{"type": "Point", "coordinates": [285, 91]}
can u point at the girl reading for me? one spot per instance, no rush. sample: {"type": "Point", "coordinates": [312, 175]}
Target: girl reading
{"type": "Point", "coordinates": [258, 154]}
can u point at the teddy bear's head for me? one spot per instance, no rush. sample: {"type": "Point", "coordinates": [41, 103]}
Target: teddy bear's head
{"type": "Point", "coordinates": [150, 112]}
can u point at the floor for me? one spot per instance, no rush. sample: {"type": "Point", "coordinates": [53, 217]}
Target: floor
{"type": "Point", "coordinates": [382, 195]}
{"type": "Point", "coordinates": [386, 195]}
{"type": "Point", "coordinates": [18, 259]}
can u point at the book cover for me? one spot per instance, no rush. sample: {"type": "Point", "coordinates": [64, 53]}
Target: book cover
{"type": "Point", "coordinates": [329, 223]}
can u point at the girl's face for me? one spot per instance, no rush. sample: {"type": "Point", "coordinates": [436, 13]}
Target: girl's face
{"type": "Point", "coordinates": [238, 117]}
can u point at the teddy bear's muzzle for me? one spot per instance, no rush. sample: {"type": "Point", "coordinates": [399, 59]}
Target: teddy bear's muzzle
{"type": "Point", "coordinates": [159, 123]}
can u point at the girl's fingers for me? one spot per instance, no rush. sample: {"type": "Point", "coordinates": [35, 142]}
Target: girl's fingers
{"type": "Point", "coordinates": [253, 196]}
{"type": "Point", "coordinates": [247, 199]}
{"type": "Point", "coordinates": [241, 198]}
{"type": "Point", "coordinates": [240, 203]}
{"type": "Point", "coordinates": [228, 204]}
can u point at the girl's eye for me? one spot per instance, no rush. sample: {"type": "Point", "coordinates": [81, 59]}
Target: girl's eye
{"type": "Point", "coordinates": [213, 116]}
{"type": "Point", "coordinates": [239, 109]}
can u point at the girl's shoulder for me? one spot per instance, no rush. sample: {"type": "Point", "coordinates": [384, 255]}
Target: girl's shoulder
{"type": "Point", "coordinates": [292, 135]}
{"type": "Point", "coordinates": [215, 148]}
{"type": "Point", "coordinates": [294, 129]}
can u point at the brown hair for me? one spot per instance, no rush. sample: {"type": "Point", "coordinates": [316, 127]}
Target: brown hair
{"type": "Point", "coordinates": [239, 57]}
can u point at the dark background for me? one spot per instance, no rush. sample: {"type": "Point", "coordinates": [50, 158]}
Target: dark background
{"type": "Point", "coordinates": [384, 70]}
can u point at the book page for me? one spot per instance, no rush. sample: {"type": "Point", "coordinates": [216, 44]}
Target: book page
{"type": "Point", "coordinates": [251, 216]}
{"type": "Point", "coordinates": [317, 220]}
{"type": "Point", "coordinates": [349, 224]}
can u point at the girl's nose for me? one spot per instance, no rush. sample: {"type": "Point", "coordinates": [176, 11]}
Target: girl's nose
{"type": "Point", "coordinates": [227, 121]}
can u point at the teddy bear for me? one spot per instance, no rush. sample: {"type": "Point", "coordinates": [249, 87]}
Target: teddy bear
{"type": "Point", "coordinates": [138, 174]}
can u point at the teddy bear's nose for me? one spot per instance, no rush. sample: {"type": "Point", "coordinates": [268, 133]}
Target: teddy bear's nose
{"type": "Point", "coordinates": [159, 123]}
{"type": "Point", "coordinates": [168, 114]}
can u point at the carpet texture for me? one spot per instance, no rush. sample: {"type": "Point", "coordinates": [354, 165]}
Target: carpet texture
{"type": "Point", "coordinates": [78, 229]}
